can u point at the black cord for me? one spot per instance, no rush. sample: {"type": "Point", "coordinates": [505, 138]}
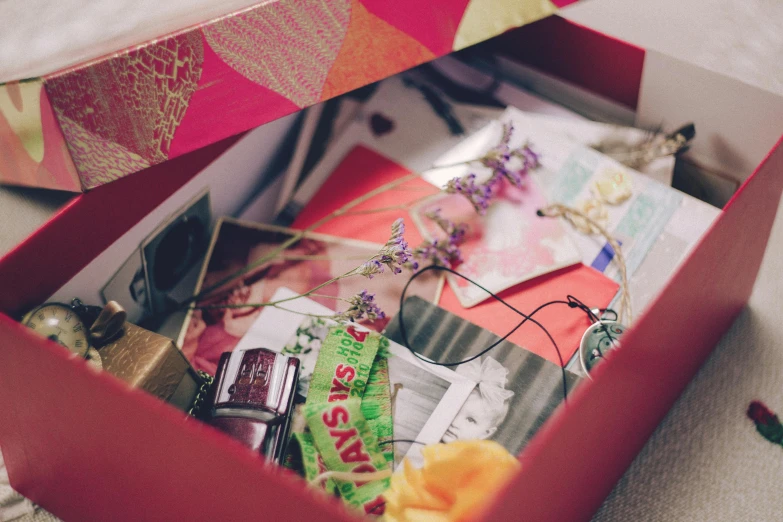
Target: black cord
{"type": "Point", "coordinates": [571, 302]}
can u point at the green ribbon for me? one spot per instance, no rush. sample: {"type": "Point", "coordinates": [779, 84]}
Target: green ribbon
{"type": "Point", "coordinates": [346, 442]}
{"type": "Point", "coordinates": [348, 410]}
{"type": "Point", "coordinates": [306, 461]}
{"type": "Point", "coordinates": [376, 402]}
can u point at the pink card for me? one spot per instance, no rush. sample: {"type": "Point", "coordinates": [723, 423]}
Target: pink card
{"type": "Point", "coordinates": [510, 244]}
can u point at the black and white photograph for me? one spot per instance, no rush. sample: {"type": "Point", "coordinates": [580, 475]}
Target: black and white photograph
{"type": "Point", "coordinates": [516, 390]}
{"type": "Point", "coordinates": [426, 398]}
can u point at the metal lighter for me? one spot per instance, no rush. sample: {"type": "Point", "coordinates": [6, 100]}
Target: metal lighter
{"type": "Point", "coordinates": [252, 399]}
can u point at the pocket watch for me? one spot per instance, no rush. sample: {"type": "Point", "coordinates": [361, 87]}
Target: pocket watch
{"type": "Point", "coordinates": [62, 324]}
{"type": "Point", "coordinates": [77, 327]}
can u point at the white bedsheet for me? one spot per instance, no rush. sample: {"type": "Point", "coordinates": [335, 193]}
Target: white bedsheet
{"type": "Point", "coordinates": [39, 37]}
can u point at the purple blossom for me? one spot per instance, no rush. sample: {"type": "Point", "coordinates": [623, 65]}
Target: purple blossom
{"type": "Point", "coordinates": [362, 306]}
{"type": "Point", "coordinates": [443, 251]}
{"type": "Point", "coordinates": [512, 164]}
{"type": "Point", "coordinates": [504, 162]}
{"type": "Point", "coordinates": [455, 232]}
{"type": "Point", "coordinates": [370, 268]}
{"type": "Point", "coordinates": [440, 252]}
{"type": "Point", "coordinates": [394, 254]}
{"type": "Point", "coordinates": [479, 194]}
{"type": "Point", "coordinates": [529, 156]}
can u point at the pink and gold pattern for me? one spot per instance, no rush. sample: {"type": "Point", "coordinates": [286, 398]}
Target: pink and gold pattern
{"type": "Point", "coordinates": [288, 46]}
{"type": "Point", "coordinates": [132, 102]}
{"type": "Point", "coordinates": [102, 160]}
{"type": "Point", "coordinates": [392, 51]}
{"type": "Point", "coordinates": [91, 124]}
{"type": "Point", "coordinates": [491, 17]}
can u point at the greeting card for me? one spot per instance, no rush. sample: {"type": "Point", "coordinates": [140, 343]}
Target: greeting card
{"type": "Point", "coordinates": [508, 245]}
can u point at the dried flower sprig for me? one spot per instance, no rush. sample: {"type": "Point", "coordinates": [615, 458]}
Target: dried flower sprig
{"type": "Point", "coordinates": [394, 254]}
{"type": "Point", "coordinates": [362, 306]}
{"type": "Point", "coordinates": [504, 163]}
{"type": "Point", "coordinates": [479, 194]}
{"type": "Point", "coordinates": [442, 251]}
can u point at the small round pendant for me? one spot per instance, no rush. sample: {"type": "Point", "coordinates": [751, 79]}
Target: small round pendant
{"type": "Point", "coordinates": [598, 340]}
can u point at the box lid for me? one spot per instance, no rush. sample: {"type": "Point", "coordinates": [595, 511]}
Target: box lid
{"type": "Point", "coordinates": [89, 124]}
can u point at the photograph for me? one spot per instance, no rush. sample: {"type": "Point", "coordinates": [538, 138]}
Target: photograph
{"type": "Point", "coordinates": [425, 397]}
{"type": "Point", "coordinates": [516, 390]}
{"type": "Point", "coordinates": [306, 264]}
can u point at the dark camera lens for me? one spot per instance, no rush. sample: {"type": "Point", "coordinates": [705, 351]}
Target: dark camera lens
{"type": "Point", "coordinates": [182, 245]}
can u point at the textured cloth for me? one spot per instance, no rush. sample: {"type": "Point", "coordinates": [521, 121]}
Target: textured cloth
{"type": "Point", "coordinates": [742, 40]}
{"type": "Point", "coordinates": [40, 36]}
{"type": "Point", "coordinates": [14, 506]}
{"type": "Point", "coordinates": [23, 210]}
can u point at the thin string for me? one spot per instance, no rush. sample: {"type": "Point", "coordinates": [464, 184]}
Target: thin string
{"type": "Point", "coordinates": [410, 441]}
{"type": "Point", "coordinates": [571, 302]}
{"type": "Point", "coordinates": [352, 476]}
{"type": "Point", "coordinates": [572, 215]}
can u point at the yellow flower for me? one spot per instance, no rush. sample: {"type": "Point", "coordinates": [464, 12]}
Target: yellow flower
{"type": "Point", "coordinates": [456, 481]}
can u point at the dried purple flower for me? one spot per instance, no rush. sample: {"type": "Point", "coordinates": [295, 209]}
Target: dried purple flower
{"type": "Point", "coordinates": [504, 162]}
{"type": "Point", "coordinates": [455, 232]}
{"type": "Point", "coordinates": [529, 156]}
{"type": "Point", "coordinates": [362, 305]}
{"type": "Point", "coordinates": [439, 252]}
{"type": "Point", "coordinates": [394, 254]}
{"type": "Point", "coordinates": [479, 194]}
{"type": "Point", "coordinates": [443, 251]}
{"type": "Point", "coordinates": [370, 268]}
{"type": "Point", "coordinates": [512, 164]}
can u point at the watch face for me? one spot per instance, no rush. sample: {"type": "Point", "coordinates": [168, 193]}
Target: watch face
{"type": "Point", "coordinates": [59, 323]}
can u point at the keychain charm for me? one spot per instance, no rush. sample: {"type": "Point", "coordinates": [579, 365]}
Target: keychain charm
{"type": "Point", "coordinates": [599, 338]}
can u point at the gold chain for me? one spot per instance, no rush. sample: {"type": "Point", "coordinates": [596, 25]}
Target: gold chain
{"type": "Point", "coordinates": [198, 402]}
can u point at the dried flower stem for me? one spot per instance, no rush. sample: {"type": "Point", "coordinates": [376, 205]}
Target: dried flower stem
{"type": "Point", "coordinates": [406, 206]}
{"type": "Point", "coordinates": [309, 293]}
{"type": "Point", "coordinates": [344, 210]}
{"type": "Point", "coordinates": [299, 235]}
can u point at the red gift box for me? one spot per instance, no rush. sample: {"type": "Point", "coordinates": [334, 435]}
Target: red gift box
{"type": "Point", "coordinates": [88, 447]}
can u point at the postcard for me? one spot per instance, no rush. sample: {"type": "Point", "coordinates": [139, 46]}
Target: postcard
{"type": "Point", "coordinates": [516, 392]}
{"type": "Point", "coordinates": [508, 245]}
{"type": "Point", "coordinates": [425, 397]}
{"type": "Point", "coordinates": [308, 263]}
